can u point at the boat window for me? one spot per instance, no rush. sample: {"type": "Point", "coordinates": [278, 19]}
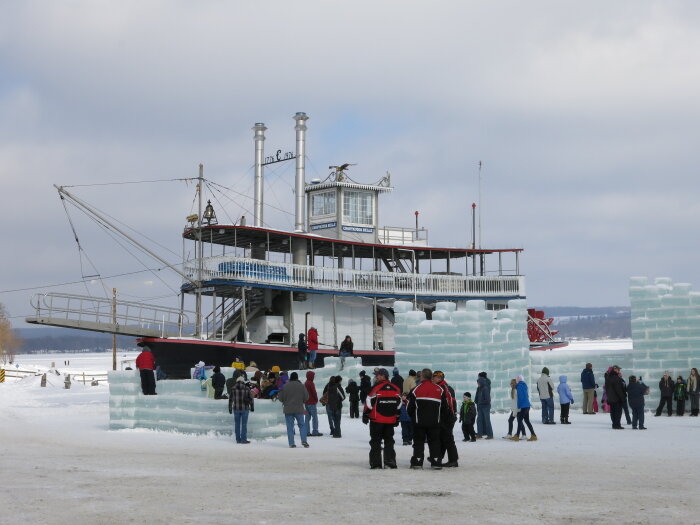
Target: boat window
{"type": "Point", "coordinates": [358, 207]}
{"type": "Point", "coordinates": [323, 203]}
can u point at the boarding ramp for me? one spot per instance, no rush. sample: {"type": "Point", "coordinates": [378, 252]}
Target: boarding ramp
{"type": "Point", "coordinates": [111, 316]}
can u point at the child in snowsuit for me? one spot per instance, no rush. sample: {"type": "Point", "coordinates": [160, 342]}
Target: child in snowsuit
{"type": "Point", "coordinates": [354, 392]}
{"type": "Point", "coordinates": [406, 422]}
{"type": "Point", "coordinates": [467, 416]}
{"type": "Point", "coordinates": [680, 394]}
{"type": "Point", "coordinates": [565, 400]}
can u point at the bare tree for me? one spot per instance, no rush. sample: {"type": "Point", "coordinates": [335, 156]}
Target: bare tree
{"type": "Point", "coordinates": [8, 340]}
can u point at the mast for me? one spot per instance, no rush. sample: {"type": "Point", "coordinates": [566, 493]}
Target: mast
{"type": "Point", "coordinates": [200, 256]}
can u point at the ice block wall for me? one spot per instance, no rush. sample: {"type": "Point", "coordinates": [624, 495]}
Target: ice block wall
{"type": "Point", "coordinates": [665, 330]}
{"type": "Point", "coordinates": [463, 343]}
{"type": "Point", "coordinates": [182, 406]}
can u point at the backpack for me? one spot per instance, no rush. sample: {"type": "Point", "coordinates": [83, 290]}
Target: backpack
{"type": "Point", "coordinates": [324, 399]}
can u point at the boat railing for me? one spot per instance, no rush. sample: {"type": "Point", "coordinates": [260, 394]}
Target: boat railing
{"type": "Point", "coordinates": [397, 235]}
{"type": "Point", "coordinates": [132, 318]}
{"type": "Point", "coordinates": [288, 275]}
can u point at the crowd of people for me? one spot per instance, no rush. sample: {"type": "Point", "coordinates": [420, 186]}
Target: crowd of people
{"type": "Point", "coordinates": [425, 405]}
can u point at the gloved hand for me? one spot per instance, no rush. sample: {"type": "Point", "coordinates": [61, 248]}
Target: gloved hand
{"type": "Point", "coordinates": [365, 418]}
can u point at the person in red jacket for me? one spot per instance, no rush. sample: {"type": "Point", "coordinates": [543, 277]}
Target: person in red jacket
{"type": "Point", "coordinates": [381, 411]}
{"type": "Point", "coordinates": [312, 343]}
{"type": "Point", "coordinates": [427, 408]}
{"type": "Point", "coordinates": [311, 418]}
{"type": "Point", "coordinates": [146, 365]}
{"type": "Point", "coordinates": [447, 438]}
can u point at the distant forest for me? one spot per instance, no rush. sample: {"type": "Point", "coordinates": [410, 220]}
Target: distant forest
{"type": "Point", "coordinates": [572, 322]}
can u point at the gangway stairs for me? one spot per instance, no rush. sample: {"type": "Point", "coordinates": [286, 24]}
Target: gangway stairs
{"type": "Point", "coordinates": [110, 316]}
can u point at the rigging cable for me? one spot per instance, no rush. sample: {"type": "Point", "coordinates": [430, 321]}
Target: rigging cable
{"type": "Point", "coordinates": [82, 252]}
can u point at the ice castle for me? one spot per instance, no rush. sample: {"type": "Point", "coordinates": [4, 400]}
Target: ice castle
{"type": "Point", "coordinates": [461, 343]}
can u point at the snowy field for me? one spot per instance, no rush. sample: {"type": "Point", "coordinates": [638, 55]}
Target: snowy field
{"type": "Point", "coordinates": [60, 464]}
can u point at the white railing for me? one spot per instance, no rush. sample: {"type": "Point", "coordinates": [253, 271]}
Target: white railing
{"type": "Point", "coordinates": [355, 281]}
{"type": "Point", "coordinates": [80, 308]}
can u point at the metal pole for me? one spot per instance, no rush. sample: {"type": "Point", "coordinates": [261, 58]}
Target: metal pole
{"type": "Point", "coordinates": [335, 326]}
{"type": "Point", "coordinates": [244, 315]}
{"type": "Point", "coordinates": [114, 334]}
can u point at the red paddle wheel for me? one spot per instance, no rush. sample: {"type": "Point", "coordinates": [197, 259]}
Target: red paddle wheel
{"type": "Point", "coordinates": [539, 331]}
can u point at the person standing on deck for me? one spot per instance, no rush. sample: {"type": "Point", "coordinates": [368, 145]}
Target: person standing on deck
{"type": "Point", "coordinates": [312, 344]}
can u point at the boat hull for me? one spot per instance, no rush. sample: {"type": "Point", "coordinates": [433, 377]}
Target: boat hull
{"type": "Point", "coordinates": [177, 356]}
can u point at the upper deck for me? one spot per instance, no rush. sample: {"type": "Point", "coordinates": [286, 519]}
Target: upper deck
{"type": "Point", "coordinates": [265, 258]}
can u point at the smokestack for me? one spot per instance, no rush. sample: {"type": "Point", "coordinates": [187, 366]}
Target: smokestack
{"type": "Point", "coordinates": [259, 139]}
{"type": "Point", "coordinates": [300, 128]}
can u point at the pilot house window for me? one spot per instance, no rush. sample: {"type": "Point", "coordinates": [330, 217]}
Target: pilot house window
{"type": "Point", "coordinates": [323, 203]}
{"type": "Point", "coordinates": [358, 207]}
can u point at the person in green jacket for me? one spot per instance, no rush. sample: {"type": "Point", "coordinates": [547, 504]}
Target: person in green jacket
{"type": "Point", "coordinates": [680, 394]}
{"type": "Point", "coordinates": [467, 416]}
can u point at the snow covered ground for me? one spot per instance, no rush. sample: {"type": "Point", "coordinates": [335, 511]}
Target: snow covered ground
{"type": "Point", "coordinates": [60, 464]}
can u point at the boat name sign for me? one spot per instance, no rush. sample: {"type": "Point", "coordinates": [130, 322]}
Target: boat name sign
{"type": "Point", "coordinates": [279, 157]}
{"type": "Point", "coordinates": [358, 229]}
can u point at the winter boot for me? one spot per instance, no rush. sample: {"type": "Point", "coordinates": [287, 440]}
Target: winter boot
{"type": "Point", "coordinates": [533, 437]}
{"type": "Point", "coordinates": [516, 437]}
{"type": "Point", "coordinates": [566, 421]}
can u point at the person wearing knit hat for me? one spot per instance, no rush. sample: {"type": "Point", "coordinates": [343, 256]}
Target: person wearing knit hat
{"type": "Point", "coordinates": [396, 379]}
{"type": "Point", "coordinates": [365, 386]}
{"type": "Point", "coordinates": [546, 389]}
{"type": "Point", "coordinates": [467, 416]}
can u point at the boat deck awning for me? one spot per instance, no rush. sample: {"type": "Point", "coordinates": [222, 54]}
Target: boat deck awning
{"type": "Point", "coordinates": [279, 241]}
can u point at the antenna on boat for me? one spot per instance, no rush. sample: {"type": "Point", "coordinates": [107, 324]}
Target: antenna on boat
{"type": "Point", "coordinates": [479, 204]}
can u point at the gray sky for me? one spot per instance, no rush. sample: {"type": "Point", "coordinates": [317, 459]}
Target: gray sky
{"type": "Point", "coordinates": [585, 115]}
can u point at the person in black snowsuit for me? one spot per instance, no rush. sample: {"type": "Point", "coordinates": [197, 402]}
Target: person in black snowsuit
{"type": "Point", "coordinates": [302, 349]}
{"type": "Point", "coordinates": [667, 386]}
{"type": "Point", "coordinates": [616, 394]}
{"type": "Point", "coordinates": [365, 386]}
{"type": "Point", "coordinates": [218, 382]}
{"type": "Point", "coordinates": [353, 392]}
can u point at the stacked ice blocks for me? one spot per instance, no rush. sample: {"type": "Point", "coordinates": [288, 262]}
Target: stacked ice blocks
{"type": "Point", "coordinates": [463, 343]}
{"type": "Point", "coordinates": [665, 330]}
{"type": "Point", "coordinates": [182, 406]}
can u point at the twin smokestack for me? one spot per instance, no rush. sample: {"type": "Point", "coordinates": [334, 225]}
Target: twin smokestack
{"type": "Point", "coordinates": [300, 118]}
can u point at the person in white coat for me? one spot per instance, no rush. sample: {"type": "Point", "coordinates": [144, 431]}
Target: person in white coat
{"type": "Point", "coordinates": [546, 389]}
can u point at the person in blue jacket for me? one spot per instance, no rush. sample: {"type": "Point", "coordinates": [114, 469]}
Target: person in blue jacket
{"type": "Point", "coordinates": [523, 410]}
{"type": "Point", "coordinates": [565, 400]}
{"type": "Point", "coordinates": [636, 390]}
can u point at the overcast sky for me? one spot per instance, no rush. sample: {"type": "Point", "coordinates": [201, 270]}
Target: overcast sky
{"type": "Point", "coordinates": [586, 116]}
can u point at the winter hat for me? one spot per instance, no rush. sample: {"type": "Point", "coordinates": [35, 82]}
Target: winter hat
{"type": "Point", "coordinates": [363, 373]}
{"type": "Point", "coordinates": [519, 378]}
{"type": "Point", "coordinates": [351, 380]}
{"type": "Point", "coordinates": [545, 370]}
{"type": "Point", "coordinates": [482, 374]}
{"type": "Point", "coordinates": [294, 377]}
{"type": "Point", "coordinates": [395, 371]}
{"type": "Point", "coordinates": [275, 369]}
{"type": "Point", "coordinates": [382, 372]}
{"type": "Point", "coordinates": [411, 372]}
{"type": "Point", "coordinates": [468, 394]}
{"type": "Point", "coordinates": [200, 364]}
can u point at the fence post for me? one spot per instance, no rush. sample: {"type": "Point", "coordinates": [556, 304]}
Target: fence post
{"type": "Point", "coordinates": [2, 375]}
{"type": "Point", "coordinates": [43, 380]}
